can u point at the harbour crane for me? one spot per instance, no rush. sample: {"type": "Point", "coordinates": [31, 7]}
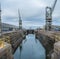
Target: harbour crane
{"type": "Point", "coordinates": [0, 22]}
{"type": "Point", "coordinates": [49, 11]}
{"type": "Point", "coordinates": [20, 21]}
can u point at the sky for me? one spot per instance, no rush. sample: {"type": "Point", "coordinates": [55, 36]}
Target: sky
{"type": "Point", "coordinates": [32, 12]}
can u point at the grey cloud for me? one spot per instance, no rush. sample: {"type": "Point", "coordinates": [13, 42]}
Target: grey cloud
{"type": "Point", "coordinates": [31, 10]}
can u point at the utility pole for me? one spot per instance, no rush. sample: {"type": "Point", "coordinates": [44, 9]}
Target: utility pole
{"type": "Point", "coordinates": [20, 21]}
{"type": "Point", "coordinates": [0, 22]}
{"type": "Point", "coordinates": [49, 11]}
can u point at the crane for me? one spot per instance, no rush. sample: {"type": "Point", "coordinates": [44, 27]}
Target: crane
{"type": "Point", "coordinates": [0, 22]}
{"type": "Point", "coordinates": [49, 11]}
{"type": "Point", "coordinates": [20, 21]}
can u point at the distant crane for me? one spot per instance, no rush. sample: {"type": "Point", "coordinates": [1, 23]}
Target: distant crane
{"type": "Point", "coordinates": [0, 22]}
{"type": "Point", "coordinates": [20, 21]}
{"type": "Point", "coordinates": [49, 11]}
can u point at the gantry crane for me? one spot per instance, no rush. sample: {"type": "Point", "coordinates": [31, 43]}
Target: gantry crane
{"type": "Point", "coordinates": [20, 21]}
{"type": "Point", "coordinates": [49, 11]}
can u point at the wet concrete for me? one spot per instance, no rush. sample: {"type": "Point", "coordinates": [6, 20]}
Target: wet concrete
{"type": "Point", "coordinates": [30, 48]}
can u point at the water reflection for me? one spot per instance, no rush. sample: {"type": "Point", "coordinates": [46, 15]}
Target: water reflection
{"type": "Point", "coordinates": [20, 50]}
{"type": "Point", "coordinates": [30, 48]}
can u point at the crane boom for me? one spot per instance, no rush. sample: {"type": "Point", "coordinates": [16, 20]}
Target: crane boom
{"type": "Point", "coordinates": [54, 5]}
{"type": "Point", "coordinates": [19, 14]}
{"type": "Point", "coordinates": [20, 21]}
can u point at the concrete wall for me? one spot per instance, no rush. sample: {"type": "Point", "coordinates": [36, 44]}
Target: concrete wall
{"type": "Point", "coordinates": [6, 52]}
{"type": "Point", "coordinates": [14, 38]}
{"type": "Point", "coordinates": [47, 42]}
{"type": "Point", "coordinates": [56, 53]}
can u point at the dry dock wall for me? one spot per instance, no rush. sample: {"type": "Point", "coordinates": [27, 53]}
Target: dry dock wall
{"type": "Point", "coordinates": [14, 38]}
{"type": "Point", "coordinates": [56, 53]}
{"type": "Point", "coordinates": [47, 41]}
{"type": "Point", "coordinates": [6, 51]}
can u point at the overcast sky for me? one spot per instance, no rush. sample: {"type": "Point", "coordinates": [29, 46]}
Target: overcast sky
{"type": "Point", "coordinates": [32, 12]}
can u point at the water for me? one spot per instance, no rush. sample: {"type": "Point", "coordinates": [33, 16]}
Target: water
{"type": "Point", "coordinates": [30, 48]}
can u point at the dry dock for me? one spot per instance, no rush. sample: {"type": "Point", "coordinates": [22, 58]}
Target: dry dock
{"type": "Point", "coordinates": [49, 39]}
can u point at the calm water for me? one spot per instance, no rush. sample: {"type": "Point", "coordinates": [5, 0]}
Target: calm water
{"type": "Point", "coordinates": [30, 48]}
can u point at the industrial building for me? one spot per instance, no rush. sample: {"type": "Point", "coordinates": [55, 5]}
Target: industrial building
{"type": "Point", "coordinates": [8, 27]}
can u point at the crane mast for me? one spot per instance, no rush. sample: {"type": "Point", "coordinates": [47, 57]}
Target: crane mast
{"type": "Point", "coordinates": [20, 21]}
{"type": "Point", "coordinates": [0, 22]}
{"type": "Point", "coordinates": [49, 11]}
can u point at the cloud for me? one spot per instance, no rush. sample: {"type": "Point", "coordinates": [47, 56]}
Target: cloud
{"type": "Point", "coordinates": [32, 11]}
